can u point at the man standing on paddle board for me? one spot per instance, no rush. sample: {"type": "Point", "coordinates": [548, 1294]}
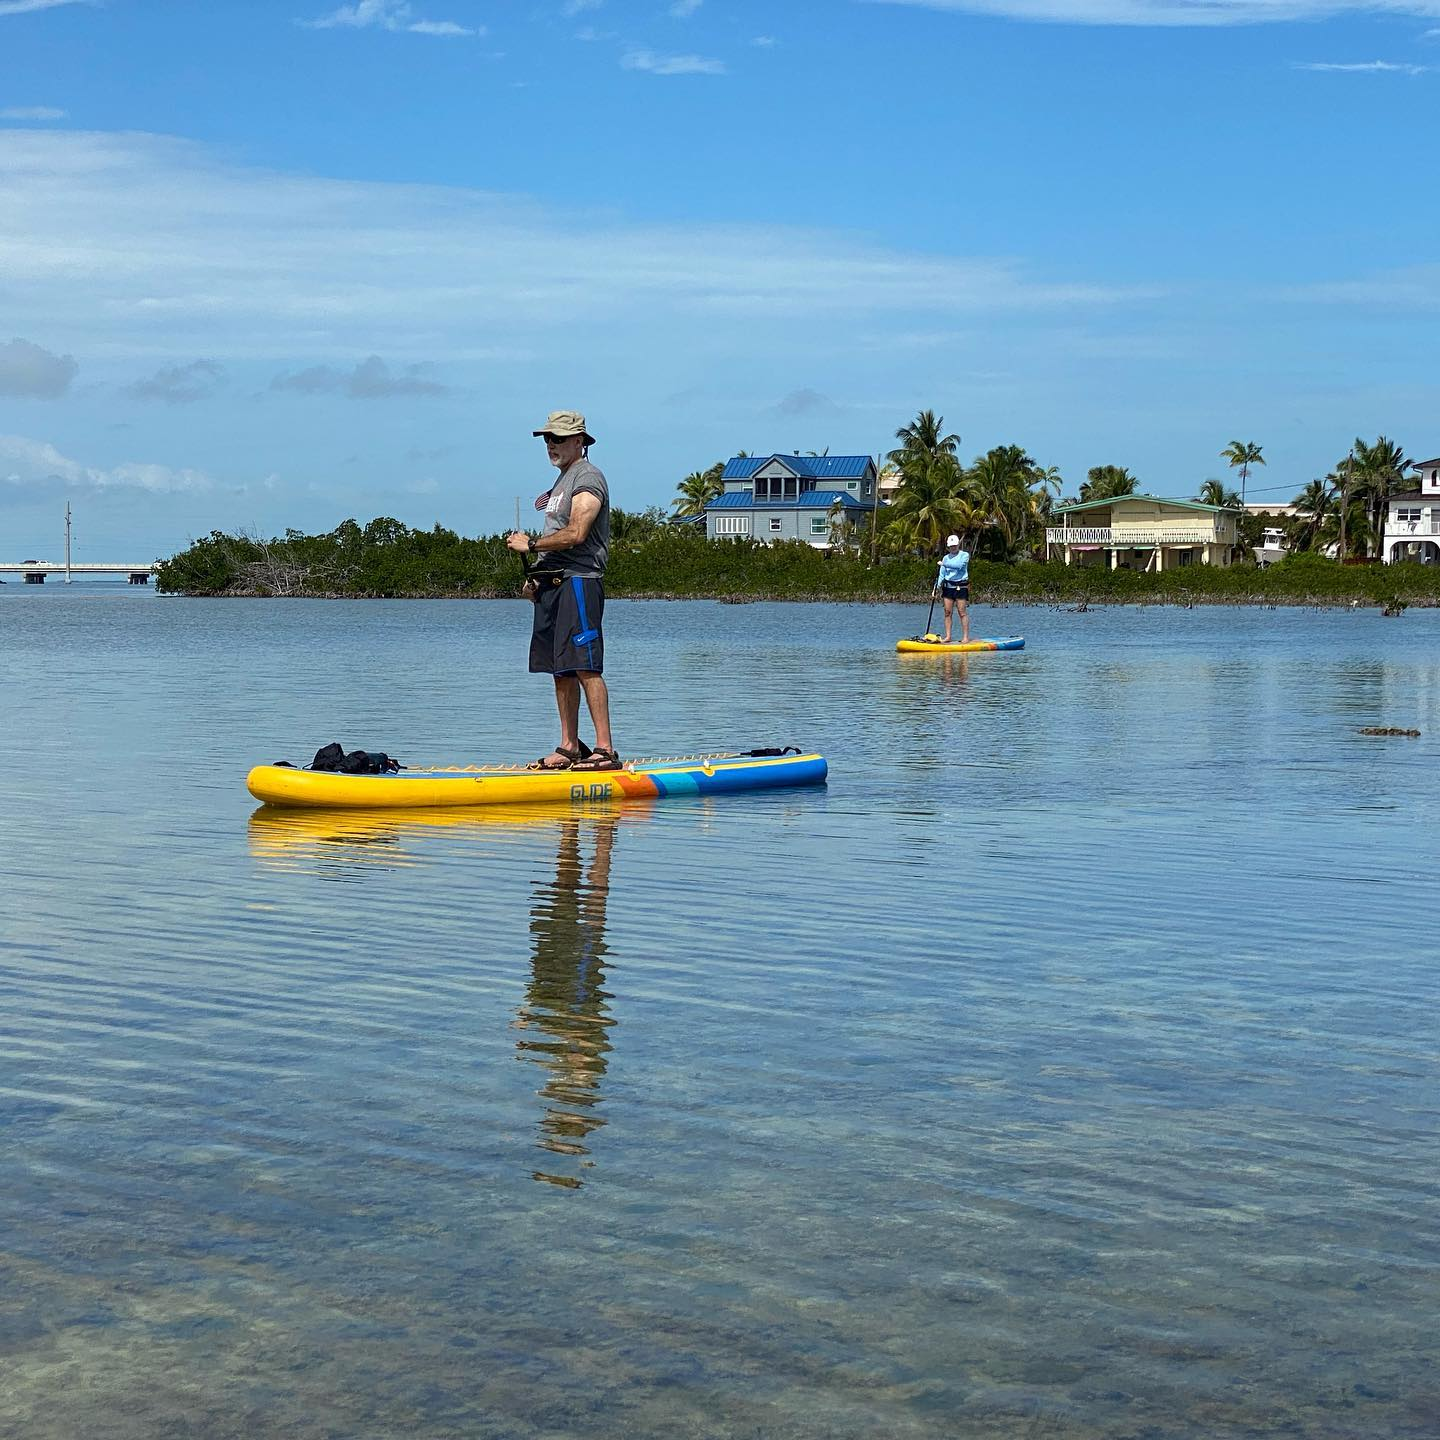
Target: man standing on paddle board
{"type": "Point", "coordinates": [953, 583]}
{"type": "Point", "coordinates": [567, 586]}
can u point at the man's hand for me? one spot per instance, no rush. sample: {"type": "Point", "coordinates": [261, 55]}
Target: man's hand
{"type": "Point", "coordinates": [542, 499]}
{"type": "Point", "coordinates": [519, 541]}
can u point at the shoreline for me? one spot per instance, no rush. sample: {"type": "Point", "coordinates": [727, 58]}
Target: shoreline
{"type": "Point", "coordinates": [1074, 604]}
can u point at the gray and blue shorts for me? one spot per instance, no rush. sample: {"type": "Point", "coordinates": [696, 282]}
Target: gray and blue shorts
{"type": "Point", "coordinates": [566, 637]}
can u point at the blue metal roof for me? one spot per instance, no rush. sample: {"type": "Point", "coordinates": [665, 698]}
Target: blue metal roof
{"type": "Point", "coordinates": [742, 467]}
{"type": "Point", "coordinates": [809, 500]}
{"type": "Point", "coordinates": [812, 467]}
{"type": "Point", "coordinates": [824, 499]}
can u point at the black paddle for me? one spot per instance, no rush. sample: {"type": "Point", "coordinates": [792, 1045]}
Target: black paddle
{"type": "Point", "coordinates": [930, 616]}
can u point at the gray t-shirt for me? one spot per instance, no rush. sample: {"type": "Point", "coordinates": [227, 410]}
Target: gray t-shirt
{"type": "Point", "coordinates": [590, 555]}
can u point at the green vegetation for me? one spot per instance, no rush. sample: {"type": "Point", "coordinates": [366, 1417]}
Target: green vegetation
{"type": "Point", "coordinates": [999, 504]}
{"type": "Point", "coordinates": [652, 558]}
{"type": "Point", "coordinates": [1108, 482]}
{"type": "Point", "coordinates": [1345, 511]}
{"type": "Point", "coordinates": [1241, 454]}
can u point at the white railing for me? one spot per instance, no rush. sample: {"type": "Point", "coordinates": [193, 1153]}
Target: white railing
{"type": "Point", "coordinates": [1413, 527]}
{"type": "Point", "coordinates": [1109, 535]}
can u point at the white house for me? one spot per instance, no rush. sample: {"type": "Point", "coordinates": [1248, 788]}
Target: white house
{"type": "Point", "coordinates": [1412, 519]}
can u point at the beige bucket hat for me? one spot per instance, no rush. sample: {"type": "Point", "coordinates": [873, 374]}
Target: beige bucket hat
{"type": "Point", "coordinates": [565, 422]}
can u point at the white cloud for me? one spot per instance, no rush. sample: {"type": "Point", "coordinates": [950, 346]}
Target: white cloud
{"type": "Point", "coordinates": [28, 7]}
{"type": "Point", "coordinates": [30, 371]}
{"type": "Point", "coordinates": [764, 41]}
{"type": "Point", "coordinates": [370, 380]}
{"type": "Point", "coordinates": [1413, 287]}
{"type": "Point", "coordinates": [684, 9]}
{"type": "Point", "coordinates": [36, 464]}
{"type": "Point", "coordinates": [1172, 12]}
{"type": "Point", "coordinates": [393, 15]}
{"type": "Point", "coordinates": [134, 247]}
{"type": "Point", "coordinates": [653, 64]}
{"type": "Point", "coordinates": [579, 7]}
{"type": "Point", "coordinates": [1365, 67]}
{"type": "Point", "coordinates": [180, 384]}
{"type": "Point", "coordinates": [31, 112]}
{"type": "Point", "coordinates": [442, 27]}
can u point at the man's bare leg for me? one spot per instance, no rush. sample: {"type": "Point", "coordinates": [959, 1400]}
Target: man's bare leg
{"type": "Point", "coordinates": [597, 701]}
{"type": "Point", "coordinates": [964, 621]}
{"type": "Point", "coordinates": [949, 611]}
{"type": "Point", "coordinates": [567, 702]}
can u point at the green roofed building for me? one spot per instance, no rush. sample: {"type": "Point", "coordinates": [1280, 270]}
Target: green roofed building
{"type": "Point", "coordinates": [1143, 532]}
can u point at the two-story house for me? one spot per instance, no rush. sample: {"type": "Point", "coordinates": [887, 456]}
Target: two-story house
{"type": "Point", "coordinates": [1143, 532]}
{"type": "Point", "coordinates": [791, 497]}
{"type": "Point", "coordinates": [1412, 519]}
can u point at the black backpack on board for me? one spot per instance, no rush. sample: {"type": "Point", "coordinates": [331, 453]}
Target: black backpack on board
{"type": "Point", "coordinates": [332, 757]}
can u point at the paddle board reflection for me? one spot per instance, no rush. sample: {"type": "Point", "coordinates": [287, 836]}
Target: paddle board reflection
{"type": "Point", "coordinates": [565, 1019]}
{"type": "Point", "coordinates": [563, 1024]}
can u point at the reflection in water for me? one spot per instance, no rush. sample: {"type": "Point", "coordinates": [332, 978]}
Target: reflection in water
{"type": "Point", "coordinates": [565, 1014]}
{"type": "Point", "coordinates": [564, 1019]}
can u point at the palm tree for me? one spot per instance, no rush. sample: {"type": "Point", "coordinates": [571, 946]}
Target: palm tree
{"type": "Point", "coordinates": [970, 519]}
{"type": "Point", "coordinates": [1348, 522]}
{"type": "Point", "coordinates": [922, 437]}
{"type": "Point", "coordinates": [1213, 492]}
{"type": "Point", "coordinates": [1046, 480]}
{"type": "Point", "coordinates": [698, 489]}
{"type": "Point", "coordinates": [1242, 454]}
{"type": "Point", "coordinates": [1376, 472]}
{"type": "Point", "coordinates": [1107, 482]}
{"type": "Point", "coordinates": [925, 508]}
{"type": "Point", "coordinates": [1313, 507]}
{"type": "Point", "coordinates": [1000, 483]}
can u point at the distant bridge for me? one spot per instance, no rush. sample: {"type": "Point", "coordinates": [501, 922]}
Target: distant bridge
{"type": "Point", "coordinates": [37, 571]}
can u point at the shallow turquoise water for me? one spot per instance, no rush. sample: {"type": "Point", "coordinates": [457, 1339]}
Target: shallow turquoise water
{"type": "Point", "coordinates": [1067, 1067]}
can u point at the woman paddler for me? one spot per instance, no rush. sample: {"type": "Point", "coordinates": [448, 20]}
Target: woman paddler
{"type": "Point", "coordinates": [953, 585]}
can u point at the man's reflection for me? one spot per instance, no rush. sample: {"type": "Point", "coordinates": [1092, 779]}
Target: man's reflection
{"type": "Point", "coordinates": [565, 1014]}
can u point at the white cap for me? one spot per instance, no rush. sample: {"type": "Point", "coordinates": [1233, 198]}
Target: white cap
{"type": "Point", "coordinates": [951, 540]}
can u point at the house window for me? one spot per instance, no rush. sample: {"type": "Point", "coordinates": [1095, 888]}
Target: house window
{"type": "Point", "coordinates": [775, 524]}
{"type": "Point", "coordinates": [1184, 557]}
{"type": "Point", "coordinates": [819, 525]}
{"type": "Point", "coordinates": [1405, 514]}
{"type": "Point", "coordinates": [732, 524]}
{"type": "Point", "coordinates": [790, 491]}
{"type": "Point", "coordinates": [762, 489]}
{"type": "Point", "coordinates": [853, 485]}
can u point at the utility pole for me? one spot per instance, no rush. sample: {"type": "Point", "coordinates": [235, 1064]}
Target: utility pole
{"type": "Point", "coordinates": [67, 542]}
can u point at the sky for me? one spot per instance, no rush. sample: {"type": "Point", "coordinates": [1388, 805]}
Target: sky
{"type": "Point", "coordinates": [275, 264]}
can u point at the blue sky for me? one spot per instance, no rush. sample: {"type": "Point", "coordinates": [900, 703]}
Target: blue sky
{"type": "Point", "coordinates": [275, 264]}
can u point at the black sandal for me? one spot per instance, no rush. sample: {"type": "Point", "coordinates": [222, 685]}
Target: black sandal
{"type": "Point", "coordinates": [599, 759]}
{"type": "Point", "coordinates": [572, 757]}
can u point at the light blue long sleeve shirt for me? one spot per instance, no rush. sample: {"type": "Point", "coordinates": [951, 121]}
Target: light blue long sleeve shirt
{"type": "Point", "coordinates": [954, 568]}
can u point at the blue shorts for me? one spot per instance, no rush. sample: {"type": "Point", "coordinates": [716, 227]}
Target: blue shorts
{"type": "Point", "coordinates": [955, 590]}
{"type": "Point", "coordinates": [566, 637]}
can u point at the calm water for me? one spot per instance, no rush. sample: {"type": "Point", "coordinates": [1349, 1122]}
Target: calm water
{"type": "Point", "coordinates": [1067, 1068]}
